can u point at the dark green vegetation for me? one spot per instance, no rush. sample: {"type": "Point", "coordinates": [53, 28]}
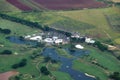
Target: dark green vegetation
{"type": "Point", "coordinates": [44, 70]}
{"type": "Point", "coordinates": [22, 63]}
{"type": "Point", "coordinates": [115, 76]}
{"type": "Point", "coordinates": [6, 52]}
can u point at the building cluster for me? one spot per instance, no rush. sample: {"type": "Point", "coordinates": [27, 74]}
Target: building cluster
{"type": "Point", "coordinates": [57, 38]}
{"type": "Point", "coordinates": [48, 38]}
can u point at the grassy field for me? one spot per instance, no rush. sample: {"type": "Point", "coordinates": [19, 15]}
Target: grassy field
{"type": "Point", "coordinates": [105, 59]}
{"type": "Point", "coordinates": [61, 75]}
{"type": "Point", "coordinates": [91, 22]}
{"type": "Point", "coordinates": [97, 18]}
{"type": "Point", "coordinates": [5, 6]}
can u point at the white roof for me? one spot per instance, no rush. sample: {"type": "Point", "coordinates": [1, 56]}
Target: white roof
{"type": "Point", "coordinates": [59, 41]}
{"type": "Point", "coordinates": [28, 36]}
{"type": "Point", "coordinates": [79, 46]}
{"type": "Point", "coordinates": [36, 38]}
{"type": "Point", "coordinates": [89, 40]}
{"type": "Point", "coordinates": [49, 40]}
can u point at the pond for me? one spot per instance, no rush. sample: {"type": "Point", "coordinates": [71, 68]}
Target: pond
{"type": "Point", "coordinates": [18, 40]}
{"type": "Point", "coordinates": [66, 64]}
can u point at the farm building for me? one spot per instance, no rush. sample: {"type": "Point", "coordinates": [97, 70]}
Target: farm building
{"type": "Point", "coordinates": [89, 40]}
{"type": "Point", "coordinates": [36, 38]}
{"type": "Point", "coordinates": [58, 41]}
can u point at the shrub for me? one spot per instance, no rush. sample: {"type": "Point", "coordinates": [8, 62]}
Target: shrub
{"type": "Point", "coordinates": [6, 52]}
{"type": "Point", "coordinates": [44, 70]}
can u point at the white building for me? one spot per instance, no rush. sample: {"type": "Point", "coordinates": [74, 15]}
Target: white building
{"type": "Point", "coordinates": [28, 36]}
{"type": "Point", "coordinates": [78, 46]}
{"type": "Point", "coordinates": [89, 40]}
{"type": "Point", "coordinates": [55, 38]}
{"type": "Point", "coordinates": [58, 41]}
{"type": "Point", "coordinates": [48, 40]}
{"type": "Point", "coordinates": [36, 38]}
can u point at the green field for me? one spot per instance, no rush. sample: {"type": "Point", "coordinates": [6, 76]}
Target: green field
{"type": "Point", "coordinates": [105, 59]}
{"type": "Point", "coordinates": [98, 23]}
{"type": "Point", "coordinates": [5, 6]}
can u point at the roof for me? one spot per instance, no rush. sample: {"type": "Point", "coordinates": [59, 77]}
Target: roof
{"type": "Point", "coordinates": [36, 38]}
{"type": "Point", "coordinates": [59, 41]}
{"type": "Point", "coordinates": [79, 46]}
{"type": "Point", "coordinates": [89, 40]}
{"type": "Point", "coordinates": [49, 40]}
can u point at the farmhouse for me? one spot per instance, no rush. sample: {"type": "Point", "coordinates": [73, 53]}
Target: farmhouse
{"type": "Point", "coordinates": [48, 40]}
{"type": "Point", "coordinates": [36, 38]}
{"type": "Point", "coordinates": [75, 35]}
{"type": "Point", "coordinates": [89, 40]}
{"type": "Point", "coordinates": [58, 41]}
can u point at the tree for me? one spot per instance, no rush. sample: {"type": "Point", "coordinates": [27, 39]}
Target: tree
{"type": "Point", "coordinates": [6, 31]}
{"type": "Point", "coordinates": [22, 63]}
{"type": "Point", "coordinates": [115, 76]}
{"type": "Point", "coordinates": [44, 70]}
{"type": "Point", "coordinates": [100, 46]}
{"type": "Point", "coordinates": [118, 57]}
{"type": "Point", "coordinates": [7, 52]}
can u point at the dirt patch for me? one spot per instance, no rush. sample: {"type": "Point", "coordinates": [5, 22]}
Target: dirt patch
{"type": "Point", "coordinates": [7, 75]}
{"type": "Point", "coordinates": [19, 5]}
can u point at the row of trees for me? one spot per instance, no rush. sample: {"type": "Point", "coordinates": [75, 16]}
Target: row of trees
{"type": "Point", "coordinates": [5, 31]}
{"type": "Point", "coordinates": [32, 24]}
{"type": "Point", "coordinates": [22, 63]}
{"type": "Point", "coordinates": [22, 21]}
{"type": "Point", "coordinates": [100, 46]}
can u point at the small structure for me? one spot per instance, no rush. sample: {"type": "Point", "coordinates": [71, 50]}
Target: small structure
{"type": "Point", "coordinates": [78, 46]}
{"type": "Point", "coordinates": [75, 35]}
{"type": "Point", "coordinates": [54, 38]}
{"type": "Point", "coordinates": [28, 36]}
{"type": "Point", "coordinates": [36, 38]}
{"type": "Point", "coordinates": [89, 40]}
{"type": "Point", "coordinates": [48, 40]}
{"type": "Point", "coordinates": [58, 41]}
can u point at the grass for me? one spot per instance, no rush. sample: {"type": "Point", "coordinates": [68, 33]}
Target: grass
{"type": "Point", "coordinates": [95, 17]}
{"type": "Point", "coordinates": [117, 40]}
{"type": "Point", "coordinates": [17, 28]}
{"type": "Point", "coordinates": [61, 75]}
{"type": "Point", "coordinates": [90, 69]}
{"type": "Point", "coordinates": [63, 52]}
{"type": "Point", "coordinates": [5, 6]}
{"type": "Point", "coordinates": [91, 22]}
{"type": "Point", "coordinates": [107, 60]}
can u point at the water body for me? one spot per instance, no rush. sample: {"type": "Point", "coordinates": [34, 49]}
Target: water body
{"type": "Point", "coordinates": [17, 40]}
{"type": "Point", "coordinates": [66, 64]}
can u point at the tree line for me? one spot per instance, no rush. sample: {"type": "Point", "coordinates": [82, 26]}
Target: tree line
{"type": "Point", "coordinates": [32, 24]}
{"type": "Point", "coordinates": [22, 21]}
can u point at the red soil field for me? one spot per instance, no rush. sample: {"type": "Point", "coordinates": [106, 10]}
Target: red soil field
{"type": "Point", "coordinates": [69, 4]}
{"type": "Point", "coordinates": [59, 4]}
{"type": "Point", "coordinates": [7, 75]}
{"type": "Point", "coordinates": [19, 5]}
